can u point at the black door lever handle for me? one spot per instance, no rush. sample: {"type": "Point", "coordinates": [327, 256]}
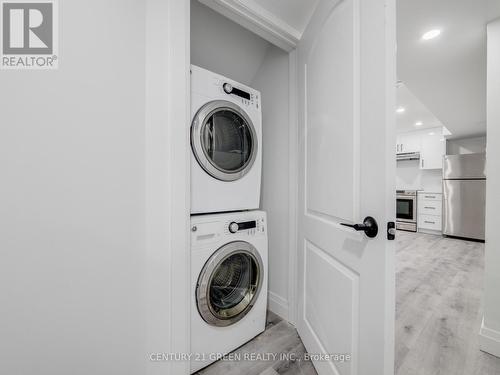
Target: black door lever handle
{"type": "Point", "coordinates": [369, 226]}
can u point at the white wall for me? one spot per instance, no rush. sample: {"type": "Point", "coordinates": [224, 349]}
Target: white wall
{"type": "Point", "coordinates": [74, 266]}
{"type": "Point", "coordinates": [409, 176]}
{"type": "Point", "coordinates": [272, 81]}
{"type": "Point", "coordinates": [490, 331]}
{"type": "Point", "coordinates": [72, 197]}
{"type": "Point", "coordinates": [471, 145]}
{"type": "Point", "coordinates": [222, 46]}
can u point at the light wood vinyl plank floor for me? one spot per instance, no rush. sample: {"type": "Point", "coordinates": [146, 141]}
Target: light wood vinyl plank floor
{"type": "Point", "coordinates": [279, 337]}
{"type": "Point", "coordinates": [439, 287]}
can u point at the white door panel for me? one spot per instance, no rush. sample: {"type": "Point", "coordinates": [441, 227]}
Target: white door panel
{"type": "Point", "coordinates": [346, 172]}
{"type": "Point", "coordinates": [331, 313]}
{"type": "Point", "coordinates": [331, 99]}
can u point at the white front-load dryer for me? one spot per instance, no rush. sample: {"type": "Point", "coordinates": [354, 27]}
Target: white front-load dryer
{"type": "Point", "coordinates": [228, 283]}
{"type": "Point", "coordinates": [226, 144]}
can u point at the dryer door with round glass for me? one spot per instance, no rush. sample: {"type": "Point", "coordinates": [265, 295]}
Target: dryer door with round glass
{"type": "Point", "coordinates": [224, 140]}
{"type": "Point", "coordinates": [229, 284]}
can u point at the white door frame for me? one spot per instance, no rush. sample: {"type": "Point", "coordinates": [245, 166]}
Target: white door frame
{"type": "Point", "coordinates": [168, 156]}
{"type": "Point", "coordinates": [293, 175]}
{"type": "Point", "coordinates": [390, 94]}
{"type": "Point", "coordinates": [167, 183]}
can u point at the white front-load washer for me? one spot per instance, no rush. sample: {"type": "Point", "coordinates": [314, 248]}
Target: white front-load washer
{"type": "Point", "coordinates": [228, 283]}
{"type": "Point", "coordinates": [226, 144]}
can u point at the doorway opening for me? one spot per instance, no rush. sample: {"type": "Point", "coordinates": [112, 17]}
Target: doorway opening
{"type": "Point", "coordinates": [441, 186]}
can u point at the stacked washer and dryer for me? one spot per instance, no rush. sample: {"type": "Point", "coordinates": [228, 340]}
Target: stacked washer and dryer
{"type": "Point", "coordinates": [228, 233]}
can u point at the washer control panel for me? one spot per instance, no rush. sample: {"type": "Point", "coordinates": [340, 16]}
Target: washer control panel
{"type": "Point", "coordinates": [250, 227]}
{"type": "Point", "coordinates": [210, 230]}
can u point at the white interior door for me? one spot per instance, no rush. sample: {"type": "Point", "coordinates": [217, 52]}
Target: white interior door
{"type": "Point", "coordinates": [347, 172]}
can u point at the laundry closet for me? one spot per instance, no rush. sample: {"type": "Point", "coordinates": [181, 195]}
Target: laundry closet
{"type": "Point", "coordinates": [221, 47]}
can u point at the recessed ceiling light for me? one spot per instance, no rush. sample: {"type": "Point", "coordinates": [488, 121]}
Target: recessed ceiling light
{"type": "Point", "coordinates": [431, 34]}
{"type": "Point", "coordinates": [432, 133]}
{"type": "Point", "coordinates": [419, 123]}
{"type": "Point", "coordinates": [401, 110]}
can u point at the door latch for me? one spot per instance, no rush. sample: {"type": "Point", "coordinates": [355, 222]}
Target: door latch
{"type": "Point", "coordinates": [391, 231]}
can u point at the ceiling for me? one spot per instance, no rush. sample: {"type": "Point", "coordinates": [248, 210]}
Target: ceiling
{"type": "Point", "coordinates": [415, 112]}
{"type": "Point", "coordinates": [447, 74]}
{"type": "Point", "coordinates": [295, 13]}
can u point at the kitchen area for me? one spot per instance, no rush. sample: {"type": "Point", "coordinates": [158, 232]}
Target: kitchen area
{"type": "Point", "coordinates": [440, 221]}
{"type": "Point", "coordinates": [441, 181]}
{"type": "Point", "coordinates": [446, 245]}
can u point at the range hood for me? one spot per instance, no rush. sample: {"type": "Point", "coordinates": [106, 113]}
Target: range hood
{"type": "Point", "coordinates": [408, 156]}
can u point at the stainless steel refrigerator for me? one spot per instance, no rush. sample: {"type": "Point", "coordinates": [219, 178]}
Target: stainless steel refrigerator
{"type": "Point", "coordinates": [464, 195]}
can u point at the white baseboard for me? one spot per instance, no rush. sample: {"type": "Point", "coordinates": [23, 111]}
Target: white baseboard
{"type": "Point", "coordinates": [278, 305]}
{"type": "Point", "coordinates": [489, 340]}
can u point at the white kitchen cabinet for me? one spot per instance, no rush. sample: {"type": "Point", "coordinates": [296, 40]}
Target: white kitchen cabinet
{"type": "Point", "coordinates": [433, 148]}
{"type": "Point", "coordinates": [408, 142]}
{"type": "Point", "coordinates": [433, 208]}
{"type": "Point", "coordinates": [429, 143]}
{"type": "Point", "coordinates": [430, 212]}
{"type": "Point", "coordinates": [426, 196]}
{"type": "Point", "coordinates": [429, 223]}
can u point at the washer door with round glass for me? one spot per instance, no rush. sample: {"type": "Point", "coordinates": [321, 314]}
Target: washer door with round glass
{"type": "Point", "coordinates": [229, 284]}
{"type": "Point", "coordinates": [224, 140]}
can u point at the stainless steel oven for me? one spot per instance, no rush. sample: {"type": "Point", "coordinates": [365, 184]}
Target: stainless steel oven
{"type": "Point", "coordinates": [406, 210]}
